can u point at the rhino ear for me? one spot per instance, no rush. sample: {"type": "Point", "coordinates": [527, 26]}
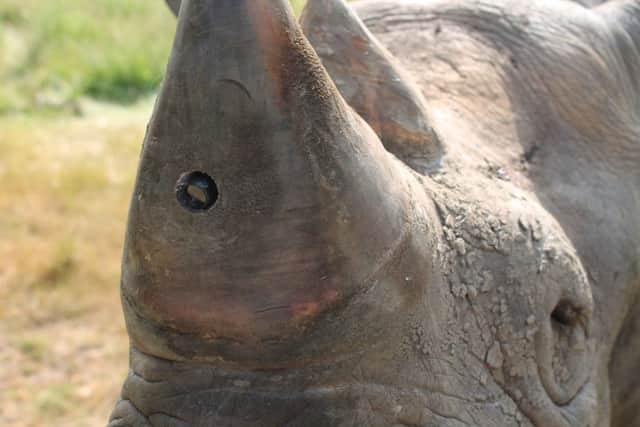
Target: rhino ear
{"type": "Point", "coordinates": [174, 5]}
{"type": "Point", "coordinates": [372, 82]}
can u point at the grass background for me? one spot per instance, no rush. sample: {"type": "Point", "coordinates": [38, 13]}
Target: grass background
{"type": "Point", "coordinates": [53, 52]}
{"type": "Point", "coordinates": [77, 80]}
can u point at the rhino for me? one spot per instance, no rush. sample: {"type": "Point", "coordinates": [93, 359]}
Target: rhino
{"type": "Point", "coordinates": [389, 213]}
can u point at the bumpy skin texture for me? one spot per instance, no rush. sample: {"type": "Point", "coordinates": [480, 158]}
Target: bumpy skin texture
{"type": "Point", "coordinates": [483, 270]}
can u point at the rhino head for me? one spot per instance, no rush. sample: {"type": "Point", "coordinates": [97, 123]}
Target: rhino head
{"type": "Point", "coordinates": [429, 218]}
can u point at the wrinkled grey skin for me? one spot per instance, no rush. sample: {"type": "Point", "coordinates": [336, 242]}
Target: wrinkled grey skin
{"type": "Point", "coordinates": [483, 270]}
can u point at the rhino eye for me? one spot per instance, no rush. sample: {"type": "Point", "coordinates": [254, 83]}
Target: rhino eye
{"type": "Point", "coordinates": [196, 191]}
{"type": "Point", "coordinates": [566, 314]}
{"type": "Point", "coordinates": [565, 350]}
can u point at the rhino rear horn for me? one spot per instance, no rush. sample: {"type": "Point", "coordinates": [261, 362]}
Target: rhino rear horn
{"type": "Point", "coordinates": [372, 82]}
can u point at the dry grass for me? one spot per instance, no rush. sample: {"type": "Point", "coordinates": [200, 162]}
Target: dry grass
{"type": "Point", "coordinates": [65, 190]}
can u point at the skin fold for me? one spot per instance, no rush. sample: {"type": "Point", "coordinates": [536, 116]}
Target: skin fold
{"type": "Point", "coordinates": [393, 213]}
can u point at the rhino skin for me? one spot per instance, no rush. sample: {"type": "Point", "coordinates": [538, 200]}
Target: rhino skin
{"type": "Point", "coordinates": [430, 218]}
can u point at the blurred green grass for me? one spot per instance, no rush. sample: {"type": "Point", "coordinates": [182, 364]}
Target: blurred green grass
{"type": "Point", "coordinates": [54, 52]}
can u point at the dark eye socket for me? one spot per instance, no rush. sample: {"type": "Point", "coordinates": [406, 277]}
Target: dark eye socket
{"type": "Point", "coordinates": [196, 191]}
{"type": "Point", "coordinates": [566, 314]}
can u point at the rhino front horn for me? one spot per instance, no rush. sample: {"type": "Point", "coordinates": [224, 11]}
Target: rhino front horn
{"type": "Point", "coordinates": [262, 201]}
{"type": "Point", "coordinates": [174, 5]}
